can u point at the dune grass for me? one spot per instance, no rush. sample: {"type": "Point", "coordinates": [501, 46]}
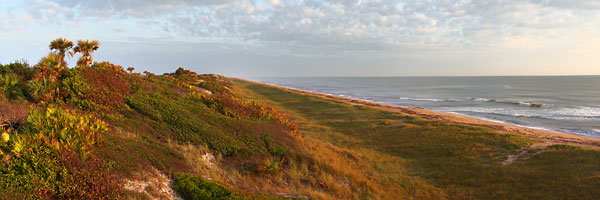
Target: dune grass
{"type": "Point", "coordinates": [455, 161]}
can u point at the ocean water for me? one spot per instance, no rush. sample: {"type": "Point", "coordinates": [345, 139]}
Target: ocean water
{"type": "Point", "coordinates": [568, 104]}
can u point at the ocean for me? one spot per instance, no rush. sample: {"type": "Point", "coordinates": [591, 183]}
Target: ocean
{"type": "Point", "coordinates": [568, 104]}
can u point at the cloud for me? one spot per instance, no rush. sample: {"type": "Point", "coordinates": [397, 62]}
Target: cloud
{"type": "Point", "coordinates": [337, 26]}
{"type": "Point", "coordinates": [276, 2]}
{"type": "Point", "coordinates": [570, 4]}
{"type": "Point", "coordinates": [27, 18]}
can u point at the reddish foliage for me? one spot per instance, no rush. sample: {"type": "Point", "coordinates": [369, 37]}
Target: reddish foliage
{"type": "Point", "coordinates": [251, 109]}
{"type": "Point", "coordinates": [109, 83]}
{"type": "Point", "coordinates": [88, 179]}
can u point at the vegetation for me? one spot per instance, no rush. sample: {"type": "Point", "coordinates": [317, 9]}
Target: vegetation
{"type": "Point", "coordinates": [191, 187]}
{"type": "Point", "coordinates": [86, 47]}
{"type": "Point", "coordinates": [455, 161]}
{"type": "Point", "coordinates": [93, 130]}
{"type": "Point", "coordinates": [61, 46]}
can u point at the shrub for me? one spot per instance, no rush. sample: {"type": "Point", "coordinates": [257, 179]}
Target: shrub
{"type": "Point", "coordinates": [273, 166]}
{"type": "Point", "coordinates": [42, 89]}
{"type": "Point", "coordinates": [40, 173]}
{"type": "Point", "coordinates": [65, 129]}
{"type": "Point", "coordinates": [563, 147]}
{"type": "Point", "coordinates": [87, 179]}
{"type": "Point", "coordinates": [214, 83]}
{"type": "Point", "coordinates": [20, 68]}
{"type": "Point", "coordinates": [34, 173]}
{"type": "Point", "coordinates": [193, 188]}
{"type": "Point", "coordinates": [11, 86]}
{"type": "Point", "coordinates": [185, 75]}
{"type": "Point", "coordinates": [50, 158]}
{"type": "Point", "coordinates": [49, 66]}
{"type": "Point", "coordinates": [181, 117]}
{"type": "Point", "coordinates": [100, 88]}
{"type": "Point", "coordinates": [272, 149]}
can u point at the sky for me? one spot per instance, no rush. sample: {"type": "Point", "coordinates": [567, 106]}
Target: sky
{"type": "Point", "coordinates": [249, 38]}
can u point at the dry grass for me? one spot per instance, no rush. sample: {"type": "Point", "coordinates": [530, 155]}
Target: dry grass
{"type": "Point", "coordinates": [387, 155]}
{"type": "Point", "coordinates": [12, 113]}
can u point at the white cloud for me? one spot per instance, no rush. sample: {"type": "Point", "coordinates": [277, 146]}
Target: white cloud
{"type": "Point", "coordinates": [276, 2]}
{"type": "Point", "coordinates": [27, 18]}
{"type": "Point", "coordinates": [339, 25]}
{"type": "Point", "coordinates": [306, 21]}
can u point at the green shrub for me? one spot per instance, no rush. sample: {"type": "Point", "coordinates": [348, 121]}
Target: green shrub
{"type": "Point", "coordinates": [193, 188]}
{"type": "Point", "coordinates": [99, 88]}
{"type": "Point", "coordinates": [184, 75]}
{"type": "Point", "coordinates": [272, 149]}
{"type": "Point", "coordinates": [181, 116]}
{"type": "Point", "coordinates": [41, 173]}
{"type": "Point", "coordinates": [273, 166]}
{"type": "Point", "coordinates": [12, 86]}
{"type": "Point", "coordinates": [563, 147]}
{"type": "Point", "coordinates": [20, 68]}
{"type": "Point", "coordinates": [42, 89]}
{"type": "Point", "coordinates": [64, 129]}
{"type": "Point", "coordinates": [214, 83]}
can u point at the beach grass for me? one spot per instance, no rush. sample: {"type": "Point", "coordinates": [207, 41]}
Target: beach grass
{"type": "Point", "coordinates": [434, 159]}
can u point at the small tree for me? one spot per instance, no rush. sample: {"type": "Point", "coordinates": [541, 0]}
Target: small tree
{"type": "Point", "coordinates": [86, 47]}
{"type": "Point", "coordinates": [49, 66]}
{"type": "Point", "coordinates": [61, 46]}
{"type": "Point", "coordinates": [130, 69]}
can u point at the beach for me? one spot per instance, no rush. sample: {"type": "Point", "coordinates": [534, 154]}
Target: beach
{"type": "Point", "coordinates": [546, 137]}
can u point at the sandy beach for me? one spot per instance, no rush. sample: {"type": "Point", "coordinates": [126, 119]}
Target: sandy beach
{"type": "Point", "coordinates": [546, 137]}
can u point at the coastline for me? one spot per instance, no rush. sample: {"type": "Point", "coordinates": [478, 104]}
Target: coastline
{"type": "Point", "coordinates": [547, 136]}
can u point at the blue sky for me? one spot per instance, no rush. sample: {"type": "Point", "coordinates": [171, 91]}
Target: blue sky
{"type": "Point", "coordinates": [317, 38]}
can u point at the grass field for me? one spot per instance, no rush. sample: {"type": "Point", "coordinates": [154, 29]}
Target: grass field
{"type": "Point", "coordinates": [438, 160]}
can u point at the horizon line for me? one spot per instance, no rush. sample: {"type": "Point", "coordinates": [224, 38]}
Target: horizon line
{"type": "Point", "coordinates": [420, 76]}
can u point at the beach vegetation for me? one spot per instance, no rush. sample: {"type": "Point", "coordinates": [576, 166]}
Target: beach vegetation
{"type": "Point", "coordinates": [61, 46]}
{"type": "Point", "coordinates": [428, 159]}
{"type": "Point", "coordinates": [86, 48]}
{"type": "Point", "coordinates": [192, 187]}
{"type": "Point", "coordinates": [82, 132]}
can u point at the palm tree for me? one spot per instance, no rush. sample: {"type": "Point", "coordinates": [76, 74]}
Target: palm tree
{"type": "Point", "coordinates": [49, 66]}
{"type": "Point", "coordinates": [61, 46]}
{"type": "Point", "coordinates": [86, 47]}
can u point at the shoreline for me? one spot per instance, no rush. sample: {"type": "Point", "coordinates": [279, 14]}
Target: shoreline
{"type": "Point", "coordinates": [549, 137]}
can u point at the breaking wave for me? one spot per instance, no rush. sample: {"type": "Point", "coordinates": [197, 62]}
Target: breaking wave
{"type": "Point", "coordinates": [530, 104]}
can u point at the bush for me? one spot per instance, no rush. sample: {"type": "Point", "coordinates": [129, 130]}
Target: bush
{"type": "Point", "coordinates": [193, 188]}
{"type": "Point", "coordinates": [42, 89]}
{"type": "Point", "coordinates": [563, 147]}
{"type": "Point", "coordinates": [12, 86]}
{"type": "Point", "coordinates": [87, 179]}
{"type": "Point", "coordinates": [40, 173]}
{"type": "Point", "coordinates": [214, 83]}
{"type": "Point", "coordinates": [185, 74]}
{"type": "Point", "coordinates": [20, 68]}
{"type": "Point", "coordinates": [99, 88]}
{"type": "Point", "coordinates": [273, 166]}
{"type": "Point", "coordinates": [64, 129]}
